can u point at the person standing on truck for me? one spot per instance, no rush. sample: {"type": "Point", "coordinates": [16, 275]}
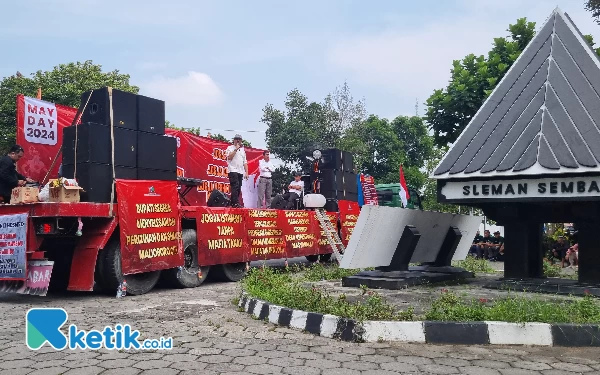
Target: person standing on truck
{"type": "Point", "coordinates": [238, 167]}
{"type": "Point", "coordinates": [9, 177]}
{"type": "Point", "coordinates": [265, 183]}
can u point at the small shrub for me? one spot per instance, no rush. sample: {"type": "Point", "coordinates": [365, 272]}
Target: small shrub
{"type": "Point", "coordinates": [475, 265]}
{"type": "Point", "coordinates": [551, 270]}
{"type": "Point", "coordinates": [319, 271]}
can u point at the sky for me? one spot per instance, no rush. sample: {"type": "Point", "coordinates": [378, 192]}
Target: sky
{"type": "Point", "coordinates": [217, 64]}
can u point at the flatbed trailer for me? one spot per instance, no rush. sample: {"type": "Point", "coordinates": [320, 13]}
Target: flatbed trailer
{"type": "Point", "coordinates": [149, 236]}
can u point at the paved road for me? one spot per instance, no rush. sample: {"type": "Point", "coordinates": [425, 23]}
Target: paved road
{"type": "Point", "coordinates": [212, 337]}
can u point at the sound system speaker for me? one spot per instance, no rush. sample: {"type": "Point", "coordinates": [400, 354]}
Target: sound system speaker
{"type": "Point", "coordinates": [338, 180]}
{"type": "Point", "coordinates": [331, 159]}
{"type": "Point", "coordinates": [157, 152]}
{"type": "Point", "coordinates": [124, 106]}
{"type": "Point", "coordinates": [156, 174]}
{"type": "Point", "coordinates": [94, 145]}
{"type": "Point", "coordinates": [217, 199]}
{"type": "Point", "coordinates": [96, 179]}
{"type": "Point", "coordinates": [347, 161]}
{"type": "Point", "coordinates": [150, 115]}
{"type": "Point", "coordinates": [278, 203]}
{"type": "Point", "coordinates": [331, 205]}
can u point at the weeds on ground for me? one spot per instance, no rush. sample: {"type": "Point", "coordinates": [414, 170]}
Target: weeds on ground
{"type": "Point", "coordinates": [282, 289]}
{"type": "Point", "coordinates": [516, 309]}
{"type": "Point", "coordinates": [474, 265]}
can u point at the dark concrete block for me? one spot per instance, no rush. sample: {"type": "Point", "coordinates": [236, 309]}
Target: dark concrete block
{"type": "Point", "coordinates": [251, 305]}
{"type": "Point", "coordinates": [264, 312]}
{"type": "Point", "coordinates": [475, 333]}
{"type": "Point", "coordinates": [285, 317]}
{"type": "Point", "coordinates": [313, 323]}
{"type": "Point", "coordinates": [575, 335]}
{"type": "Point", "coordinates": [345, 330]}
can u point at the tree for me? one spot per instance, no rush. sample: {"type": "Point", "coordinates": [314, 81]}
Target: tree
{"type": "Point", "coordinates": [593, 6]}
{"type": "Point", "coordinates": [473, 79]}
{"type": "Point", "coordinates": [64, 84]}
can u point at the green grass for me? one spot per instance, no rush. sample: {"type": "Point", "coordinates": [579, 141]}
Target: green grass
{"type": "Point", "coordinates": [288, 287]}
{"type": "Point", "coordinates": [516, 309]}
{"type": "Point", "coordinates": [474, 265]}
{"type": "Point", "coordinates": [283, 289]}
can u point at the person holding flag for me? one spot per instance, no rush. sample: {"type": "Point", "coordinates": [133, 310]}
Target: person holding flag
{"type": "Point", "coordinates": [404, 196]}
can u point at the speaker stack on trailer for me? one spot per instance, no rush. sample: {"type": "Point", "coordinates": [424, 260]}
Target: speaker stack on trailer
{"type": "Point", "coordinates": [337, 177]}
{"type": "Point", "coordinates": [141, 149]}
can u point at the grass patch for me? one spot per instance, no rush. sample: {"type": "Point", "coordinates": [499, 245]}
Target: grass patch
{"type": "Point", "coordinates": [449, 307]}
{"type": "Point", "coordinates": [282, 289]}
{"type": "Point", "coordinates": [474, 265]}
{"type": "Point", "coordinates": [288, 287]}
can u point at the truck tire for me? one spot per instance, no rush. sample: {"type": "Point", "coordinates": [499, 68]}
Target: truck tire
{"type": "Point", "coordinates": [230, 272]}
{"type": "Point", "coordinates": [320, 258]}
{"type": "Point", "coordinates": [137, 284]}
{"type": "Point", "coordinates": [187, 276]}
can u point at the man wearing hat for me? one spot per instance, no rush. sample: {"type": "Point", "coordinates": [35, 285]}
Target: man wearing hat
{"type": "Point", "coordinates": [295, 189]}
{"type": "Point", "coordinates": [238, 168]}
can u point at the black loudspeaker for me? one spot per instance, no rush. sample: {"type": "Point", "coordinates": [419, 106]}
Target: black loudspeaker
{"type": "Point", "coordinates": [331, 179]}
{"type": "Point", "coordinates": [217, 199]}
{"type": "Point", "coordinates": [94, 146]}
{"type": "Point", "coordinates": [96, 179]}
{"type": "Point", "coordinates": [347, 161]}
{"type": "Point", "coordinates": [331, 159]}
{"type": "Point", "coordinates": [331, 205]}
{"type": "Point", "coordinates": [150, 115]}
{"type": "Point", "coordinates": [278, 203]}
{"type": "Point", "coordinates": [156, 174]}
{"type": "Point", "coordinates": [124, 106]}
{"type": "Point", "coordinates": [346, 196]}
{"type": "Point", "coordinates": [157, 152]}
{"type": "Point", "coordinates": [350, 183]}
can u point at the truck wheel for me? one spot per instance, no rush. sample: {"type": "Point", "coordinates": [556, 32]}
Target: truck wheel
{"type": "Point", "coordinates": [137, 284]}
{"type": "Point", "coordinates": [187, 276]}
{"type": "Point", "coordinates": [312, 258]}
{"type": "Point", "coordinates": [326, 257]}
{"type": "Point", "coordinates": [320, 258]}
{"type": "Point", "coordinates": [230, 272]}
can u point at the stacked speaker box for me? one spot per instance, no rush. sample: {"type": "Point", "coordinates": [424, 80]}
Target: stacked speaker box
{"type": "Point", "coordinates": [337, 179]}
{"type": "Point", "coordinates": [141, 149]}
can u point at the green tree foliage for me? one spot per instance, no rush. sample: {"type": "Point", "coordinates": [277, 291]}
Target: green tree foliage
{"type": "Point", "coordinates": [593, 6]}
{"type": "Point", "coordinates": [379, 145]}
{"type": "Point", "coordinates": [64, 84]}
{"type": "Point", "coordinates": [473, 79]}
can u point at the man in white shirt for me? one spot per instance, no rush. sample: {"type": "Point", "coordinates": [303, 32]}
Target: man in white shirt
{"type": "Point", "coordinates": [295, 189]}
{"type": "Point", "coordinates": [238, 168]}
{"type": "Point", "coordinates": [265, 183]}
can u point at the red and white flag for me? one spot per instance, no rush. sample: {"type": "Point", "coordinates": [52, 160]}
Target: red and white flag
{"type": "Point", "coordinates": [404, 196]}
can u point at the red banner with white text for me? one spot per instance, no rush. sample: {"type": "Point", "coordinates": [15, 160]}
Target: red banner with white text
{"type": "Point", "coordinates": [39, 132]}
{"type": "Point", "coordinates": [205, 159]}
{"type": "Point", "coordinates": [150, 225]}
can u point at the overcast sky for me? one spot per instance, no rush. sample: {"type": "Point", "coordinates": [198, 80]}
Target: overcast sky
{"type": "Point", "coordinates": [217, 64]}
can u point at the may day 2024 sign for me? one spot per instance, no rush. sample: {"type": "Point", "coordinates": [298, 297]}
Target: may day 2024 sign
{"type": "Point", "coordinates": [13, 240]}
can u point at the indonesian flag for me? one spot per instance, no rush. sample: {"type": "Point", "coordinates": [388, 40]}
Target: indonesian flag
{"type": "Point", "coordinates": [404, 196]}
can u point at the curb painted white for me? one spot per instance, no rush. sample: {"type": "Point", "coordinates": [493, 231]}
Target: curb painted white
{"type": "Point", "coordinates": [298, 320]}
{"type": "Point", "coordinates": [257, 307]}
{"type": "Point", "coordinates": [502, 333]}
{"type": "Point", "coordinates": [394, 331]}
{"type": "Point", "coordinates": [274, 312]}
{"type": "Point", "coordinates": [329, 325]}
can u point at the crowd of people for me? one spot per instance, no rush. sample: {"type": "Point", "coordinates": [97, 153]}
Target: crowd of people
{"type": "Point", "coordinates": [487, 246]}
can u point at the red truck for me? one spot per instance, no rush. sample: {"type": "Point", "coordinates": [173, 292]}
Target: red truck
{"type": "Point", "coordinates": [148, 236]}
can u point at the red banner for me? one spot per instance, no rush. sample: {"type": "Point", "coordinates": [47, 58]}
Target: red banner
{"type": "Point", "coordinates": [205, 159]}
{"type": "Point", "coordinates": [369, 192]}
{"type": "Point", "coordinates": [299, 232]}
{"type": "Point", "coordinates": [39, 132]}
{"type": "Point", "coordinates": [150, 226]}
{"type": "Point", "coordinates": [265, 234]}
{"type": "Point", "coordinates": [221, 235]}
{"type": "Point", "coordinates": [349, 212]}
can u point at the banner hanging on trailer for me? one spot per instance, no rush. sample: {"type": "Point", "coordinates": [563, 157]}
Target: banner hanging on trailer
{"type": "Point", "coordinates": [13, 247]}
{"type": "Point", "coordinates": [150, 226]}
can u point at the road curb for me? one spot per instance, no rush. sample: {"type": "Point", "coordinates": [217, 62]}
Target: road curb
{"type": "Point", "coordinates": [430, 332]}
